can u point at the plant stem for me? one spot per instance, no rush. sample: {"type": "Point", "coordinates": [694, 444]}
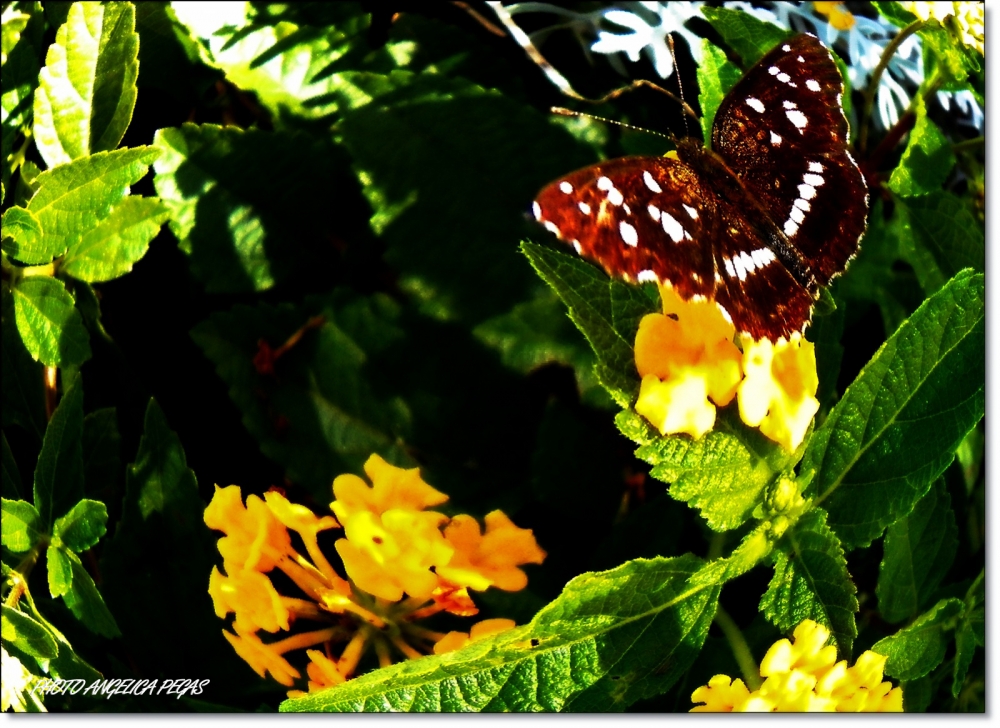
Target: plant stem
{"type": "Point", "coordinates": [887, 54]}
{"type": "Point", "coordinates": [740, 648]}
{"type": "Point", "coordinates": [969, 145]}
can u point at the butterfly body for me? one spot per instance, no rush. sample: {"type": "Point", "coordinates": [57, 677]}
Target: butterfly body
{"type": "Point", "coordinates": [757, 223]}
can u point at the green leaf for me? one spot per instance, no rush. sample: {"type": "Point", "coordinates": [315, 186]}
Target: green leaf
{"type": "Point", "coordinates": [538, 332]}
{"type": "Point", "coordinates": [895, 13]}
{"type": "Point", "coordinates": [917, 553]}
{"type": "Point", "coordinates": [87, 89]}
{"type": "Point", "coordinates": [157, 564]}
{"type": "Point", "coordinates": [85, 602]}
{"type": "Point", "coordinates": [21, 528]}
{"type": "Point", "coordinates": [874, 276]}
{"type": "Point", "coordinates": [749, 37]}
{"type": "Point", "coordinates": [101, 448]}
{"type": "Point", "coordinates": [59, 472]}
{"type": "Point", "coordinates": [944, 54]}
{"type": "Point", "coordinates": [473, 186]}
{"type": "Point", "coordinates": [917, 649]}
{"type": "Point", "coordinates": [724, 474]}
{"type": "Point", "coordinates": [319, 416]}
{"type": "Point", "coordinates": [50, 326]}
{"type": "Point", "coordinates": [716, 76]}
{"type": "Point", "coordinates": [29, 635]}
{"type": "Point", "coordinates": [970, 631]}
{"type": "Point", "coordinates": [21, 380]}
{"type": "Point", "coordinates": [927, 161]}
{"type": "Point", "coordinates": [73, 198]}
{"type": "Point", "coordinates": [941, 237]}
{"type": "Point", "coordinates": [117, 242]}
{"type": "Point", "coordinates": [11, 474]}
{"type": "Point", "coordinates": [607, 311]}
{"type": "Point", "coordinates": [22, 234]}
{"type": "Point", "coordinates": [875, 455]}
{"type": "Point", "coordinates": [811, 582]}
{"type": "Point", "coordinates": [241, 232]}
{"type": "Point", "coordinates": [610, 639]}
{"type": "Point", "coordinates": [60, 569]}
{"type": "Point", "coordinates": [82, 526]}
{"type": "Point", "coordinates": [20, 76]}
{"type": "Point", "coordinates": [284, 65]}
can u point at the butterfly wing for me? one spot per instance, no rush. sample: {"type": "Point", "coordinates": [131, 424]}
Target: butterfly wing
{"type": "Point", "coordinates": [782, 131]}
{"type": "Point", "coordinates": [640, 218]}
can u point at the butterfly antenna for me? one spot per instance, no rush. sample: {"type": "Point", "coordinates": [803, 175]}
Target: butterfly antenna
{"type": "Point", "coordinates": [559, 81]}
{"type": "Point", "coordinates": [560, 111]}
{"type": "Point", "coordinates": [680, 86]}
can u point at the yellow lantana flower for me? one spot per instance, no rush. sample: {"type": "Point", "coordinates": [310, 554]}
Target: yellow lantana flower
{"type": "Point", "coordinates": [262, 658]}
{"type": "Point", "coordinates": [687, 361]}
{"type": "Point", "coordinates": [969, 19]}
{"type": "Point", "coordinates": [482, 560]}
{"type": "Point", "coordinates": [840, 17]}
{"type": "Point", "coordinates": [404, 563]}
{"type": "Point", "coordinates": [392, 553]}
{"type": "Point", "coordinates": [778, 393]}
{"type": "Point", "coordinates": [804, 676]}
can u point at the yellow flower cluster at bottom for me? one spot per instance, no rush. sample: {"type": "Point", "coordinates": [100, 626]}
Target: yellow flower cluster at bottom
{"type": "Point", "coordinates": [403, 563]}
{"type": "Point", "coordinates": [805, 676]}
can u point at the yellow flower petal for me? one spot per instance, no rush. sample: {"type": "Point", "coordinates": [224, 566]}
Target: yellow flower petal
{"type": "Point", "coordinates": [778, 392]}
{"type": "Point", "coordinates": [676, 406]}
{"type": "Point", "coordinates": [262, 658]}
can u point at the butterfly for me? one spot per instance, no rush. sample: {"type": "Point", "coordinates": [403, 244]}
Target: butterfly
{"type": "Point", "coordinates": [758, 223]}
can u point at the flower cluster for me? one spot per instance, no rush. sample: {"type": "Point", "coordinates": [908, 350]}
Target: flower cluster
{"type": "Point", "coordinates": [969, 19]}
{"type": "Point", "coordinates": [804, 675]}
{"type": "Point", "coordinates": [402, 562]}
{"type": "Point", "coordinates": [689, 365]}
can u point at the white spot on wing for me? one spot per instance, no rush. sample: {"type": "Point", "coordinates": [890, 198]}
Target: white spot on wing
{"type": "Point", "coordinates": [797, 118]}
{"type": "Point", "coordinates": [628, 210]}
{"type": "Point", "coordinates": [671, 227]}
{"type": "Point", "coordinates": [729, 267]}
{"type": "Point", "coordinates": [800, 59]}
{"type": "Point", "coordinates": [584, 207]}
{"type": "Point", "coordinates": [566, 187]}
{"type": "Point", "coordinates": [756, 105]}
{"type": "Point", "coordinates": [628, 233]}
{"type": "Point", "coordinates": [537, 210]}
{"type": "Point", "coordinates": [807, 192]}
{"type": "Point", "coordinates": [789, 104]}
{"type": "Point", "coordinates": [774, 70]}
{"type": "Point", "coordinates": [787, 48]}
{"type": "Point", "coordinates": [813, 85]}
{"type": "Point", "coordinates": [802, 204]}
{"type": "Point", "coordinates": [741, 271]}
{"type": "Point", "coordinates": [748, 261]}
{"type": "Point", "coordinates": [775, 139]}
{"type": "Point", "coordinates": [577, 247]}
{"type": "Point", "coordinates": [654, 212]}
{"type": "Point", "coordinates": [646, 275]}
{"type": "Point", "coordinates": [551, 227]}
{"type": "Point", "coordinates": [604, 184]}
{"type": "Point", "coordinates": [692, 213]}
{"type": "Point", "coordinates": [615, 196]}
{"type": "Point", "coordinates": [797, 215]}
{"type": "Point", "coordinates": [784, 77]}
{"type": "Point", "coordinates": [815, 167]}
{"type": "Point", "coordinates": [724, 312]}
{"type": "Point", "coordinates": [812, 179]}
{"type": "Point", "coordinates": [651, 183]}
{"type": "Point", "coordinates": [791, 228]}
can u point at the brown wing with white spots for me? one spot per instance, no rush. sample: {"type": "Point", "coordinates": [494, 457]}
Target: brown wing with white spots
{"type": "Point", "coordinates": [783, 132]}
{"type": "Point", "coordinates": [641, 218]}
